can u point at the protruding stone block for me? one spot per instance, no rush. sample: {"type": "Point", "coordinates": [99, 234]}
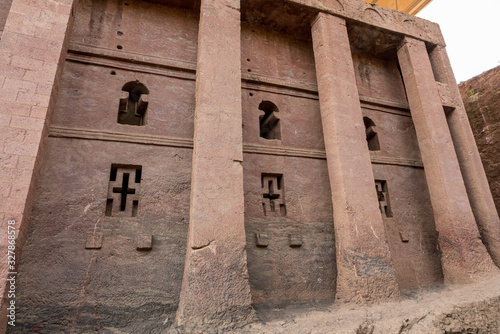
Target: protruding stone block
{"type": "Point", "coordinates": [295, 240]}
{"type": "Point", "coordinates": [404, 236]}
{"type": "Point", "coordinates": [447, 99]}
{"type": "Point", "coordinates": [94, 240]}
{"type": "Point", "coordinates": [144, 242]}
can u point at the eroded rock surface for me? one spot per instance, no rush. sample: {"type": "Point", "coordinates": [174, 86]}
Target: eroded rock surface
{"type": "Point", "coordinates": [481, 96]}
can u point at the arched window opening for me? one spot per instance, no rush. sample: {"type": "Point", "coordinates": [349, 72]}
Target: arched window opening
{"type": "Point", "coordinates": [383, 198]}
{"type": "Point", "coordinates": [371, 135]}
{"type": "Point", "coordinates": [133, 104]}
{"type": "Point", "coordinates": [269, 122]}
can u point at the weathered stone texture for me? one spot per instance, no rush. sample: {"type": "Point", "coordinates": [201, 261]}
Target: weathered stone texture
{"type": "Point", "coordinates": [86, 114]}
{"type": "Point", "coordinates": [282, 275]}
{"type": "Point", "coordinates": [379, 78]}
{"type": "Point", "coordinates": [4, 11]}
{"type": "Point", "coordinates": [139, 28]}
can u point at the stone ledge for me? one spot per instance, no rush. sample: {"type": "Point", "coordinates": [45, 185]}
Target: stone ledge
{"type": "Point", "coordinates": [141, 139]}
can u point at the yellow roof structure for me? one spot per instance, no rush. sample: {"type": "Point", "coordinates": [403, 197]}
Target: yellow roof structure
{"type": "Point", "coordinates": [408, 6]}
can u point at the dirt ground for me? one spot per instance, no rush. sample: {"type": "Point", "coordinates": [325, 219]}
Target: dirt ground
{"type": "Point", "coordinates": [453, 309]}
{"type": "Point", "coordinates": [459, 309]}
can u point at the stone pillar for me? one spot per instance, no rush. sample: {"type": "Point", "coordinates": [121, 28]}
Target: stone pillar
{"type": "Point", "coordinates": [365, 271]}
{"type": "Point", "coordinates": [215, 288]}
{"type": "Point", "coordinates": [32, 51]}
{"type": "Point", "coordinates": [476, 183]}
{"type": "Point", "coordinates": [464, 257]}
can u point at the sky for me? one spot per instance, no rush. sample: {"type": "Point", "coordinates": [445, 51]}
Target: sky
{"type": "Point", "coordinates": [471, 30]}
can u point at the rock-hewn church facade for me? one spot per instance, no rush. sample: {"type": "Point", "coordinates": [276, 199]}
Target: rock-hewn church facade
{"type": "Point", "coordinates": [193, 163]}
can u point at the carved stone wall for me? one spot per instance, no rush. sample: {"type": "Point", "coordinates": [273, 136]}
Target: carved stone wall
{"type": "Point", "coordinates": [209, 161]}
{"type": "Point", "coordinates": [99, 268]}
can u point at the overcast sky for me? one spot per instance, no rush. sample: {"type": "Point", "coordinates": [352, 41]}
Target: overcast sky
{"type": "Point", "coordinates": [471, 29]}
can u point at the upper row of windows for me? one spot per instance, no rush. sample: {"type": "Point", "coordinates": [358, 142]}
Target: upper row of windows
{"type": "Point", "coordinates": [134, 103]}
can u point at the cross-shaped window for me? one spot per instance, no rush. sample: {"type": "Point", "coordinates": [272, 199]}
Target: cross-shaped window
{"type": "Point", "coordinates": [124, 185]}
{"type": "Point", "coordinates": [273, 202]}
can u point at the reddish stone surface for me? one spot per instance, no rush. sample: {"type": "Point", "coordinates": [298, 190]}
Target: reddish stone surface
{"type": "Point", "coordinates": [468, 156]}
{"type": "Point", "coordinates": [378, 78]}
{"type": "Point", "coordinates": [233, 127]}
{"type": "Point", "coordinates": [141, 284]}
{"type": "Point", "coordinates": [416, 259]}
{"type": "Point", "coordinates": [4, 11]}
{"type": "Point", "coordinates": [481, 99]}
{"type": "Point", "coordinates": [216, 236]}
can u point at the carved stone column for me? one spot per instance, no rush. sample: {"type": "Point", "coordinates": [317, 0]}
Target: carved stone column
{"type": "Point", "coordinates": [364, 262]}
{"type": "Point", "coordinates": [468, 156]}
{"type": "Point", "coordinates": [215, 288]}
{"type": "Point", "coordinates": [464, 257]}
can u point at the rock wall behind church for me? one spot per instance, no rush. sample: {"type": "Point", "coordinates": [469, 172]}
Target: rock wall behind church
{"type": "Point", "coordinates": [87, 265]}
{"type": "Point", "coordinates": [481, 96]}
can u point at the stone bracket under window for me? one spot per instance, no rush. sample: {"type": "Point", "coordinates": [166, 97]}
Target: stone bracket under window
{"type": "Point", "coordinates": [273, 195]}
{"type": "Point", "coordinates": [404, 236]}
{"type": "Point", "coordinates": [123, 190]}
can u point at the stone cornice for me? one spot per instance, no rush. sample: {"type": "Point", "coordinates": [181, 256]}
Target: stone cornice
{"type": "Point", "coordinates": [384, 18]}
{"type": "Point", "coordinates": [164, 141]}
